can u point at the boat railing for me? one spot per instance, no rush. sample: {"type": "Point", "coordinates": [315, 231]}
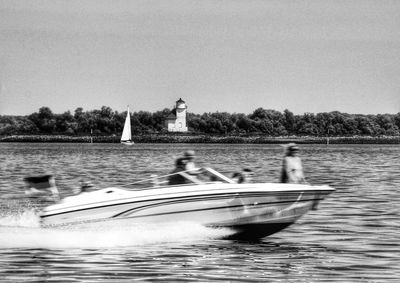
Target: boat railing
{"type": "Point", "coordinates": [219, 175]}
{"type": "Point", "coordinates": [44, 188]}
{"type": "Point", "coordinates": [192, 176]}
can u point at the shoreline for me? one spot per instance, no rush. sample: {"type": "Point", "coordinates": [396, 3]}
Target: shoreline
{"type": "Point", "coordinates": [165, 138]}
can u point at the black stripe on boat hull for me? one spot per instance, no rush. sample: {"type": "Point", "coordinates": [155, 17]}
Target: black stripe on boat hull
{"type": "Point", "coordinates": [204, 209]}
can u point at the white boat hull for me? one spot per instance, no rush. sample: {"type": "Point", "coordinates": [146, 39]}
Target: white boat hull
{"type": "Point", "coordinates": [127, 142]}
{"type": "Point", "coordinates": [253, 210]}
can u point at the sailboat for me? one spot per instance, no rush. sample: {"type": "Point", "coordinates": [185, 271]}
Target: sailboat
{"type": "Point", "coordinates": [126, 137]}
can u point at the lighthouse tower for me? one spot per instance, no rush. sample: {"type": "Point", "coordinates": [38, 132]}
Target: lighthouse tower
{"type": "Point", "coordinates": [176, 121]}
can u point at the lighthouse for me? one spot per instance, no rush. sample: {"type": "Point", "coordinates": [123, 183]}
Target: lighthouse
{"type": "Point", "coordinates": [176, 120]}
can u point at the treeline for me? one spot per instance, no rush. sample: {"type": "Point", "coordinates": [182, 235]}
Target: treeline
{"type": "Point", "coordinates": [264, 122]}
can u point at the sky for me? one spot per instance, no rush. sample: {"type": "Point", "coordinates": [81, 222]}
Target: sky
{"type": "Point", "coordinates": [218, 55]}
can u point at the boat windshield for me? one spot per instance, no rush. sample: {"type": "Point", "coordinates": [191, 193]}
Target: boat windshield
{"type": "Point", "coordinates": [194, 176]}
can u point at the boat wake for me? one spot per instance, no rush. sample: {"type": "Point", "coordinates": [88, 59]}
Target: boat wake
{"type": "Point", "coordinates": [23, 230]}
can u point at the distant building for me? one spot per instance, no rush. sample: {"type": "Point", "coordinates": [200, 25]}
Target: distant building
{"type": "Point", "coordinates": [176, 120]}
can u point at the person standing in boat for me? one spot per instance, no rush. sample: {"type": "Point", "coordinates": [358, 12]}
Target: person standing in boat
{"type": "Point", "coordinates": [292, 168]}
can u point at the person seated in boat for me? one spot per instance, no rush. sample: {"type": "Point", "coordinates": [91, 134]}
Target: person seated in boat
{"type": "Point", "coordinates": [85, 187]}
{"type": "Point", "coordinates": [42, 187]}
{"type": "Point", "coordinates": [292, 168]}
{"type": "Point", "coordinates": [187, 168]}
{"type": "Point", "coordinates": [190, 166]}
{"type": "Point", "coordinates": [244, 176]}
{"type": "Point", "coordinates": [175, 178]}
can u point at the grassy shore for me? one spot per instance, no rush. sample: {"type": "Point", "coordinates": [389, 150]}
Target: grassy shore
{"type": "Point", "coordinates": [170, 138]}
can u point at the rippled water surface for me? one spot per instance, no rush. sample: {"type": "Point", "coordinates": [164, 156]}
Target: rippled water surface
{"type": "Point", "coordinates": [353, 237]}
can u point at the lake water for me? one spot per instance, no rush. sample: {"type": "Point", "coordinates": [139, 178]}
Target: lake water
{"type": "Point", "coordinates": [354, 236]}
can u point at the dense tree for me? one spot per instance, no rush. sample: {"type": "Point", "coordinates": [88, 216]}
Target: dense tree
{"type": "Point", "coordinates": [10, 125]}
{"type": "Point", "coordinates": [289, 121]}
{"type": "Point", "coordinates": [44, 120]}
{"type": "Point", "coordinates": [65, 123]}
{"type": "Point", "coordinates": [105, 121]}
{"type": "Point", "coordinates": [396, 119]}
{"type": "Point", "coordinates": [245, 124]}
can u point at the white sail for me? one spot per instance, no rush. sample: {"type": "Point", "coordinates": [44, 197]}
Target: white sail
{"type": "Point", "coordinates": [126, 133]}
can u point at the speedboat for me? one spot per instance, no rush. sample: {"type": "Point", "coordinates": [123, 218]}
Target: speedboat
{"type": "Point", "coordinates": [251, 210]}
